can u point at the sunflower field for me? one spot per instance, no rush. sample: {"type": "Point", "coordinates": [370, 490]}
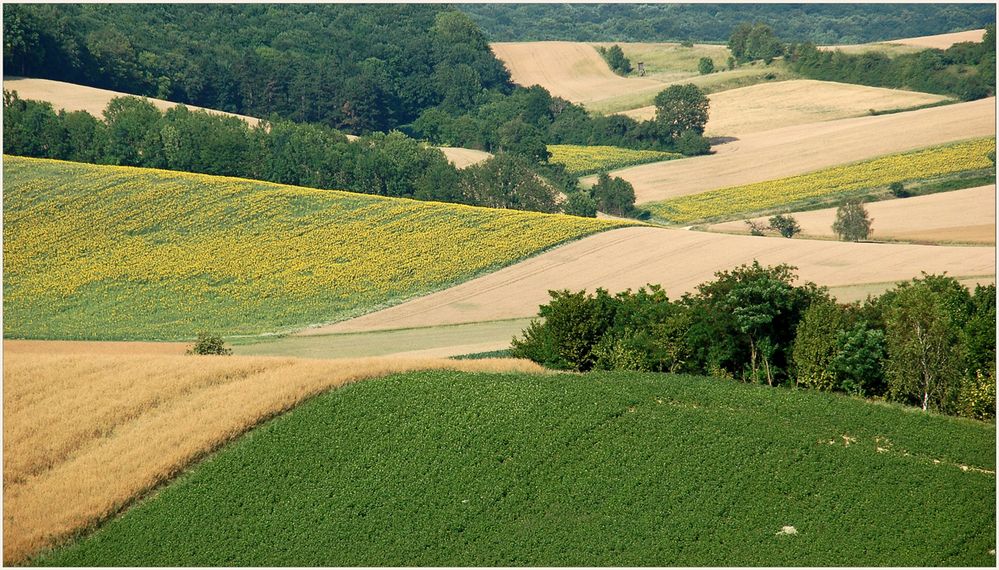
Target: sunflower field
{"type": "Point", "coordinates": [107, 252]}
{"type": "Point", "coordinates": [582, 160]}
{"type": "Point", "coordinates": [870, 174]}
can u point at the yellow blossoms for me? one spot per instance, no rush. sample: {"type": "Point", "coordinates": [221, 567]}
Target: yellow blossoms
{"type": "Point", "coordinates": [116, 252]}
{"type": "Point", "coordinates": [879, 172]}
{"type": "Point", "coordinates": [591, 159]}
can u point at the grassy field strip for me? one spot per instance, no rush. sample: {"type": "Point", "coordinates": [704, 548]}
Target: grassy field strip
{"type": "Point", "coordinates": [104, 252]}
{"type": "Point", "coordinates": [770, 106]}
{"type": "Point", "coordinates": [590, 159]}
{"type": "Point", "coordinates": [871, 174]}
{"type": "Point", "coordinates": [449, 469]}
{"type": "Point", "coordinates": [790, 151]}
{"type": "Point", "coordinates": [679, 260]}
{"type": "Point", "coordinates": [72, 97]}
{"type": "Point", "coordinates": [571, 70]}
{"type": "Point", "coordinates": [959, 216]}
{"type": "Point", "coordinates": [426, 341]}
{"type": "Point", "coordinates": [11, 346]}
{"type": "Point", "coordinates": [86, 434]}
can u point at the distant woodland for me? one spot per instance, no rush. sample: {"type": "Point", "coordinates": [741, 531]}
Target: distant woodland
{"type": "Point", "coordinates": [818, 23]}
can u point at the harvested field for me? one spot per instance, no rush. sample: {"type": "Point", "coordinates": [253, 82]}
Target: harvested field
{"type": "Point", "coordinates": [679, 260]}
{"type": "Point", "coordinates": [86, 434]}
{"type": "Point", "coordinates": [964, 216]}
{"type": "Point", "coordinates": [941, 41]}
{"type": "Point", "coordinates": [788, 151]}
{"type": "Point", "coordinates": [72, 97]}
{"type": "Point", "coordinates": [571, 70]}
{"type": "Point", "coordinates": [462, 157]}
{"type": "Point", "coordinates": [770, 106]}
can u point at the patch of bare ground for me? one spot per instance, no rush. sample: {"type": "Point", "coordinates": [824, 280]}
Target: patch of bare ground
{"type": "Point", "coordinates": [769, 106]}
{"type": "Point", "coordinates": [788, 151]}
{"type": "Point", "coordinates": [463, 157]}
{"type": "Point", "coordinates": [85, 434]}
{"type": "Point", "coordinates": [679, 260]}
{"type": "Point", "coordinates": [960, 216]}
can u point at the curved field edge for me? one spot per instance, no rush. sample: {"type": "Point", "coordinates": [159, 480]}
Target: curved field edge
{"type": "Point", "coordinates": [86, 434]}
{"type": "Point", "coordinates": [120, 253]}
{"type": "Point", "coordinates": [971, 155]}
{"type": "Point", "coordinates": [447, 469]}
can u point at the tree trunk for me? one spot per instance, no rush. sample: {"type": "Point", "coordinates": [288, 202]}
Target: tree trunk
{"type": "Point", "coordinates": [752, 359]}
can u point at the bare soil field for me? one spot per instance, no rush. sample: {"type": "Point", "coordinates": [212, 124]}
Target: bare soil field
{"type": "Point", "coordinates": [72, 97]}
{"type": "Point", "coordinates": [961, 216]}
{"type": "Point", "coordinates": [909, 45]}
{"type": "Point", "coordinates": [462, 157]}
{"type": "Point", "coordinates": [788, 151]}
{"type": "Point", "coordinates": [769, 106]}
{"type": "Point", "coordinates": [85, 434]}
{"type": "Point", "coordinates": [679, 260]}
{"type": "Point", "coordinates": [571, 70]}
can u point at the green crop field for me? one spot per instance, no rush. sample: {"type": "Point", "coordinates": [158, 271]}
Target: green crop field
{"type": "Point", "coordinates": [450, 469]}
{"type": "Point", "coordinates": [107, 252]}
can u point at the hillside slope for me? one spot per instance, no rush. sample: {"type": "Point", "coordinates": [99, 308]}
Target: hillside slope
{"type": "Point", "coordinates": [100, 252]}
{"type": "Point", "coordinates": [448, 469]}
{"type": "Point", "coordinates": [788, 151]}
{"type": "Point", "coordinates": [678, 260]}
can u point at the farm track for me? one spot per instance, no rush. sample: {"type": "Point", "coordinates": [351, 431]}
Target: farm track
{"type": "Point", "coordinates": [85, 434]}
{"type": "Point", "coordinates": [966, 216]}
{"type": "Point", "coordinates": [788, 151]}
{"type": "Point", "coordinates": [679, 260]}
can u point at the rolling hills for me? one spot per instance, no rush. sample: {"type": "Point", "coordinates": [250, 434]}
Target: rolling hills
{"type": "Point", "coordinates": [99, 252]}
{"type": "Point", "coordinates": [627, 469]}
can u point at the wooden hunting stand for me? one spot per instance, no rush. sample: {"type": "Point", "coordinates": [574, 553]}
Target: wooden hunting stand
{"type": "Point", "coordinates": [641, 69]}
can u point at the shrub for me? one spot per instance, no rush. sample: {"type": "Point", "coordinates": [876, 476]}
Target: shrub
{"type": "Point", "coordinates": [209, 343]}
{"type": "Point", "coordinates": [787, 226]}
{"type": "Point", "coordinates": [977, 398]}
{"type": "Point", "coordinates": [756, 228]}
{"type": "Point", "coordinates": [692, 143]}
{"type": "Point", "coordinates": [898, 190]}
{"type": "Point", "coordinates": [705, 66]}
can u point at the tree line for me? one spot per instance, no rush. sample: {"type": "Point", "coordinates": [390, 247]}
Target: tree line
{"type": "Point", "coordinates": [134, 132]}
{"type": "Point", "coordinates": [929, 342]}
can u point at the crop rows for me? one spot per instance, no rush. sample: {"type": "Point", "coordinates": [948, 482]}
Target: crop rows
{"type": "Point", "coordinates": [879, 172]}
{"type": "Point", "coordinates": [582, 160]}
{"type": "Point", "coordinates": [622, 469]}
{"type": "Point", "coordinates": [105, 252]}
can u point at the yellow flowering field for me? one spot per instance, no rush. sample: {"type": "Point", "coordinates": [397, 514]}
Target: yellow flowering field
{"type": "Point", "coordinates": [105, 252]}
{"type": "Point", "coordinates": [878, 172]}
{"type": "Point", "coordinates": [592, 159]}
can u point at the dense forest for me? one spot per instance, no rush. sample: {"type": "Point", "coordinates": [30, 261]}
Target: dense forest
{"type": "Point", "coordinates": [360, 68]}
{"type": "Point", "coordinates": [818, 23]}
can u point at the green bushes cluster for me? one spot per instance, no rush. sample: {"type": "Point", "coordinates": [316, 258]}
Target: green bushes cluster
{"type": "Point", "coordinates": [616, 59]}
{"type": "Point", "coordinates": [209, 343]}
{"type": "Point", "coordinates": [929, 342]}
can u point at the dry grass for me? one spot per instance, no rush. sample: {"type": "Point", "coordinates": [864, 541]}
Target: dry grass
{"type": "Point", "coordinates": [679, 260]}
{"type": "Point", "coordinates": [961, 216]}
{"type": "Point", "coordinates": [72, 97]}
{"type": "Point", "coordinates": [910, 45]}
{"type": "Point", "coordinates": [571, 70]}
{"type": "Point", "coordinates": [462, 157]}
{"type": "Point", "coordinates": [86, 434]}
{"type": "Point", "coordinates": [789, 151]}
{"type": "Point", "coordinates": [768, 106]}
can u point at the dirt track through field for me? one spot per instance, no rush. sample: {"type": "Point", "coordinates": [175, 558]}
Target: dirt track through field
{"type": "Point", "coordinates": [571, 70]}
{"type": "Point", "coordinates": [769, 106]}
{"type": "Point", "coordinates": [85, 434]}
{"type": "Point", "coordinates": [788, 151]}
{"type": "Point", "coordinates": [679, 260]}
{"type": "Point", "coordinates": [965, 216]}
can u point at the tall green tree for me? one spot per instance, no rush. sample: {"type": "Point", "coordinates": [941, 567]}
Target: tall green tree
{"type": "Point", "coordinates": [852, 222]}
{"type": "Point", "coordinates": [680, 108]}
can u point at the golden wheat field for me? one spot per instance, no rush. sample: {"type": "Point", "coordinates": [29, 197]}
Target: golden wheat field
{"type": "Point", "coordinates": [789, 151]}
{"type": "Point", "coordinates": [961, 216]}
{"type": "Point", "coordinates": [463, 157]}
{"type": "Point", "coordinates": [85, 434]}
{"type": "Point", "coordinates": [769, 106]}
{"type": "Point", "coordinates": [910, 45]}
{"type": "Point", "coordinates": [679, 260]}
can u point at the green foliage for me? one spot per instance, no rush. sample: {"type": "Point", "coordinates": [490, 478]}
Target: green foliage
{"type": "Point", "coordinates": [852, 223]}
{"type": "Point", "coordinates": [615, 196]}
{"type": "Point", "coordinates": [521, 138]}
{"type": "Point", "coordinates": [815, 345]}
{"type": "Point", "coordinates": [750, 42]}
{"type": "Point", "coordinates": [509, 181]}
{"type": "Point", "coordinates": [898, 190]}
{"type": "Point", "coordinates": [705, 66]}
{"type": "Point", "coordinates": [692, 143]}
{"type": "Point", "coordinates": [785, 225]}
{"type": "Point", "coordinates": [680, 108]}
{"type": "Point", "coordinates": [580, 204]}
{"type": "Point", "coordinates": [209, 343]}
{"type": "Point", "coordinates": [449, 469]}
{"type": "Point", "coordinates": [616, 59]}
{"type": "Point", "coordinates": [756, 228]}
{"type": "Point", "coordinates": [977, 398]}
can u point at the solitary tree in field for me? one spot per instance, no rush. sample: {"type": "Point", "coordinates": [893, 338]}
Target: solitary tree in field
{"type": "Point", "coordinates": [787, 226]}
{"type": "Point", "coordinates": [681, 108]}
{"type": "Point", "coordinates": [705, 66]}
{"type": "Point", "coordinates": [852, 223]}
